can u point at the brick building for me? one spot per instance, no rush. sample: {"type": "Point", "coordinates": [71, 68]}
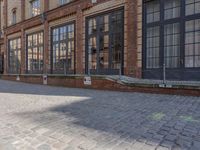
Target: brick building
{"type": "Point", "coordinates": [101, 37]}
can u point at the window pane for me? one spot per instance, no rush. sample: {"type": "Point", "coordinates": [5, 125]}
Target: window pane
{"type": "Point", "coordinates": [192, 43]}
{"type": "Point", "coordinates": [153, 39]}
{"type": "Point", "coordinates": [63, 49]}
{"type": "Point", "coordinates": [14, 55]}
{"type": "Point", "coordinates": [153, 11]}
{"type": "Point", "coordinates": [35, 53]}
{"type": "Point", "coordinates": [172, 9]}
{"type": "Point", "coordinates": [192, 7]}
{"type": "Point", "coordinates": [172, 45]}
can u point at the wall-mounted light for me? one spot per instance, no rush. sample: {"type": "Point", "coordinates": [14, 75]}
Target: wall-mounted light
{"type": "Point", "coordinates": [43, 17]}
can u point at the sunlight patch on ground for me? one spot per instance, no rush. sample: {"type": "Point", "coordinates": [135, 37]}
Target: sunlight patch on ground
{"type": "Point", "coordinates": [188, 119]}
{"type": "Point", "coordinates": [157, 116]}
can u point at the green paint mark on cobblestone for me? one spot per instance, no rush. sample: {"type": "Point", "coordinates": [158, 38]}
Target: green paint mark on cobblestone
{"type": "Point", "coordinates": [157, 116]}
{"type": "Point", "coordinates": [188, 119]}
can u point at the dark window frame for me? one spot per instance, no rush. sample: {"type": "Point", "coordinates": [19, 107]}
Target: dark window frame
{"type": "Point", "coordinates": [109, 70]}
{"type": "Point", "coordinates": [52, 43]}
{"type": "Point", "coordinates": [181, 73]}
{"type": "Point", "coordinates": [18, 70]}
{"type": "Point", "coordinates": [27, 47]}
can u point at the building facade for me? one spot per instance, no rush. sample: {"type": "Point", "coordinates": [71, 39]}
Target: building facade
{"type": "Point", "coordinates": [139, 38]}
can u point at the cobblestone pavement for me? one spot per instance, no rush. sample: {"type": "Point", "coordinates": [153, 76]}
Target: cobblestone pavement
{"type": "Point", "coordinates": [44, 118]}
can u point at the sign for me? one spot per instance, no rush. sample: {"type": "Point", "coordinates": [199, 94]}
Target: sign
{"type": "Point", "coordinates": [87, 81]}
{"type": "Point", "coordinates": [45, 79]}
{"type": "Point", "coordinates": [18, 78]}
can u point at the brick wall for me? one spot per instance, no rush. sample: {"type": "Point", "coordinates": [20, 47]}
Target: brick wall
{"type": "Point", "coordinates": [139, 36]}
{"type": "Point", "coordinates": [78, 11]}
{"type": "Point", "coordinates": [101, 83]}
{"type": "Point", "coordinates": [53, 4]}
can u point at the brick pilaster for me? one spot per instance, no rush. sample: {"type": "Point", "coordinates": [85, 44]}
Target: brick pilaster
{"type": "Point", "coordinates": [46, 40]}
{"type": "Point", "coordinates": [46, 5]}
{"type": "Point", "coordinates": [46, 47]}
{"type": "Point", "coordinates": [5, 55]}
{"type": "Point", "coordinates": [5, 16]}
{"type": "Point", "coordinates": [23, 52]}
{"type": "Point", "coordinates": [5, 13]}
{"type": "Point", "coordinates": [79, 42]}
{"type": "Point", "coordinates": [0, 15]}
{"type": "Point", "coordinates": [23, 10]}
{"type": "Point", "coordinates": [131, 11]}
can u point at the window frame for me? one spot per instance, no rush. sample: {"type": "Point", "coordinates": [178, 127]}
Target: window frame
{"type": "Point", "coordinates": [110, 70]}
{"type": "Point", "coordinates": [182, 21]}
{"type": "Point", "coordinates": [60, 41]}
{"type": "Point", "coordinates": [32, 7]}
{"type": "Point", "coordinates": [18, 70]}
{"type": "Point", "coordinates": [27, 47]}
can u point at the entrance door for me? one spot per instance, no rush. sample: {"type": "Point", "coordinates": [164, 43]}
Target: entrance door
{"type": "Point", "coordinates": [104, 43]}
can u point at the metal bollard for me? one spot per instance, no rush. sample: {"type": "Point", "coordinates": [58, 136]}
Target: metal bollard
{"type": "Point", "coordinates": [164, 73]}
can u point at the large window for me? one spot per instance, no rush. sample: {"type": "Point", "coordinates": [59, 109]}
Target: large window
{"type": "Point", "coordinates": [35, 53]}
{"type": "Point", "coordinates": [35, 7]}
{"type": "Point", "coordinates": [153, 47]}
{"type": "Point", "coordinates": [172, 37]}
{"type": "Point", "coordinates": [104, 43]}
{"type": "Point", "coordinates": [63, 49]}
{"type": "Point", "coordinates": [14, 55]}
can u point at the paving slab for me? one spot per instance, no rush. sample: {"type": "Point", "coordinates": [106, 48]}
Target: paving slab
{"type": "Point", "coordinates": [37, 117]}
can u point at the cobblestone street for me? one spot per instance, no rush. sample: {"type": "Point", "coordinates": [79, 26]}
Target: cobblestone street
{"type": "Point", "coordinates": [36, 117]}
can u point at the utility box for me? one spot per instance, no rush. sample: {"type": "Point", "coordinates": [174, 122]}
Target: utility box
{"type": "Point", "coordinates": [45, 79]}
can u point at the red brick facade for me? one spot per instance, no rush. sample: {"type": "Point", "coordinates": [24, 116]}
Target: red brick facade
{"type": "Point", "coordinates": [78, 9]}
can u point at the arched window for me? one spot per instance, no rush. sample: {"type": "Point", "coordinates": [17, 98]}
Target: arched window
{"type": "Point", "coordinates": [14, 16]}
